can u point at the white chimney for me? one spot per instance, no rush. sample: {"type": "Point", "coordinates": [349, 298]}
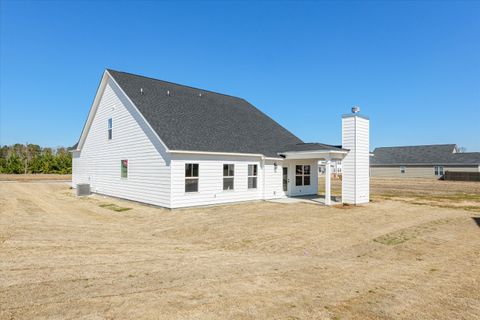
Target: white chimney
{"type": "Point", "coordinates": [356, 165]}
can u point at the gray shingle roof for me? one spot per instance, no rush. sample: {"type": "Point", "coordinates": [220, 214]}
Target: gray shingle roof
{"type": "Point", "coordinates": [440, 154]}
{"type": "Point", "coordinates": [192, 119]}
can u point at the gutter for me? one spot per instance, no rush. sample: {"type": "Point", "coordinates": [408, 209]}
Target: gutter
{"type": "Point", "coordinates": [224, 154]}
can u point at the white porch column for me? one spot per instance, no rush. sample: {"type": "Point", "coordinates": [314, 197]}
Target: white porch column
{"type": "Point", "coordinates": [328, 174]}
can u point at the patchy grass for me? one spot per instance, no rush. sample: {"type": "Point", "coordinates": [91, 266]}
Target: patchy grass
{"type": "Point", "coordinates": [433, 202]}
{"type": "Point", "coordinates": [114, 207]}
{"type": "Point", "coordinates": [403, 235]}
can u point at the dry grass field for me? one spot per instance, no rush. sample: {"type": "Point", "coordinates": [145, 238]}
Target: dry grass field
{"type": "Point", "coordinates": [413, 253]}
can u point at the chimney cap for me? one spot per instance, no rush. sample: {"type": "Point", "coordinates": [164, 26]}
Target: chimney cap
{"type": "Point", "coordinates": [355, 109]}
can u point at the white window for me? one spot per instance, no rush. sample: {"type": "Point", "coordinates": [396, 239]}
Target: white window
{"type": "Point", "coordinates": [252, 176]}
{"type": "Point", "coordinates": [228, 176]}
{"type": "Point", "coordinates": [302, 175]}
{"type": "Point", "coordinates": [402, 169]}
{"type": "Point", "coordinates": [438, 171]}
{"type": "Point", "coordinates": [191, 177]}
{"type": "Point", "coordinates": [124, 169]}
{"type": "Point", "coordinates": [109, 128]}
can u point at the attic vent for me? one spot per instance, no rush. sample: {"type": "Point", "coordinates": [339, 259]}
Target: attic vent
{"type": "Point", "coordinates": [168, 93]}
{"type": "Point", "coordinates": [200, 94]}
{"type": "Point", "coordinates": [141, 91]}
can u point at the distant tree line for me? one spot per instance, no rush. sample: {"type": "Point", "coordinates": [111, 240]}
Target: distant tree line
{"type": "Point", "coordinates": [31, 158]}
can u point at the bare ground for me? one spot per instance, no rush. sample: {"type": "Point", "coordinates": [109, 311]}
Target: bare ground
{"type": "Point", "coordinates": [100, 258]}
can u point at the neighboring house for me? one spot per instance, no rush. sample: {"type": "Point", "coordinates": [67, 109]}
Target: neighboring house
{"type": "Point", "coordinates": [428, 161]}
{"type": "Point", "coordinates": [336, 167]}
{"type": "Point", "coordinates": [176, 146]}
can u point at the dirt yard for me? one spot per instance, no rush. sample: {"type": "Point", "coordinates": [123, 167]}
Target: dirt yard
{"type": "Point", "coordinates": [407, 255]}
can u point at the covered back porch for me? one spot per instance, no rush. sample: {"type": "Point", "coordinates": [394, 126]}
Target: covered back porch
{"type": "Point", "coordinates": [301, 171]}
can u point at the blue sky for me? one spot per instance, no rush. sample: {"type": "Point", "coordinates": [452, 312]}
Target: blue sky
{"type": "Point", "coordinates": [413, 67]}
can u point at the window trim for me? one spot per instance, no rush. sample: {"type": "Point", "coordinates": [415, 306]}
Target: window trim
{"type": "Point", "coordinates": [110, 129]}
{"type": "Point", "coordinates": [403, 169]}
{"type": "Point", "coordinates": [436, 171]}
{"type": "Point", "coordinates": [121, 169]}
{"type": "Point", "coordinates": [303, 175]}
{"type": "Point", "coordinates": [192, 177]}
{"type": "Point", "coordinates": [228, 177]}
{"type": "Point", "coordinates": [254, 176]}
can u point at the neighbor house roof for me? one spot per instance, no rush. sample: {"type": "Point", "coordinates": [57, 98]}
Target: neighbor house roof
{"type": "Point", "coordinates": [440, 154]}
{"type": "Point", "coordinates": [191, 119]}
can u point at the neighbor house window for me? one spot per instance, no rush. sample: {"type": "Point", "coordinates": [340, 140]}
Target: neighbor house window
{"type": "Point", "coordinates": [252, 176]}
{"type": "Point", "coordinates": [228, 173]}
{"type": "Point", "coordinates": [302, 175]}
{"type": "Point", "coordinates": [438, 170]}
{"type": "Point", "coordinates": [110, 129]}
{"type": "Point", "coordinates": [191, 177]}
{"type": "Point", "coordinates": [402, 169]}
{"type": "Point", "coordinates": [124, 168]}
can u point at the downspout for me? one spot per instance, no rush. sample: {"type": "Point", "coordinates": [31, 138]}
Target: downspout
{"type": "Point", "coordinates": [264, 176]}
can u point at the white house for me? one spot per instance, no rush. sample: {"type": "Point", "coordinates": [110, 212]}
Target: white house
{"type": "Point", "coordinates": [176, 146]}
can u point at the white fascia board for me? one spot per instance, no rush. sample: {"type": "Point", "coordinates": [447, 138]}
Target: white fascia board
{"type": "Point", "coordinates": [257, 155]}
{"type": "Point", "coordinates": [321, 154]}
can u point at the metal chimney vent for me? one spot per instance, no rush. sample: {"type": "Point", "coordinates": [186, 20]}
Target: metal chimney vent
{"type": "Point", "coordinates": [83, 189]}
{"type": "Point", "coordinates": [168, 93]}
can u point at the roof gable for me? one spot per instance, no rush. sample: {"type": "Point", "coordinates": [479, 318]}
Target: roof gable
{"type": "Point", "coordinates": [191, 119]}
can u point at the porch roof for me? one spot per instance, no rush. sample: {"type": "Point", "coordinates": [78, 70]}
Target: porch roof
{"type": "Point", "coordinates": [313, 151]}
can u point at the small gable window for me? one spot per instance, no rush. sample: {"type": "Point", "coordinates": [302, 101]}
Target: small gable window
{"type": "Point", "coordinates": [402, 169]}
{"type": "Point", "coordinates": [228, 176]}
{"type": "Point", "coordinates": [124, 168]}
{"type": "Point", "coordinates": [109, 128]}
{"type": "Point", "coordinates": [191, 177]}
{"type": "Point", "coordinates": [252, 176]}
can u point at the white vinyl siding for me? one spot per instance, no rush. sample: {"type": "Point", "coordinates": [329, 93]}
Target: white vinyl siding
{"type": "Point", "coordinates": [273, 170]}
{"type": "Point", "coordinates": [356, 164]}
{"type": "Point", "coordinates": [99, 160]}
{"type": "Point", "coordinates": [299, 190]}
{"type": "Point", "coordinates": [210, 188]}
